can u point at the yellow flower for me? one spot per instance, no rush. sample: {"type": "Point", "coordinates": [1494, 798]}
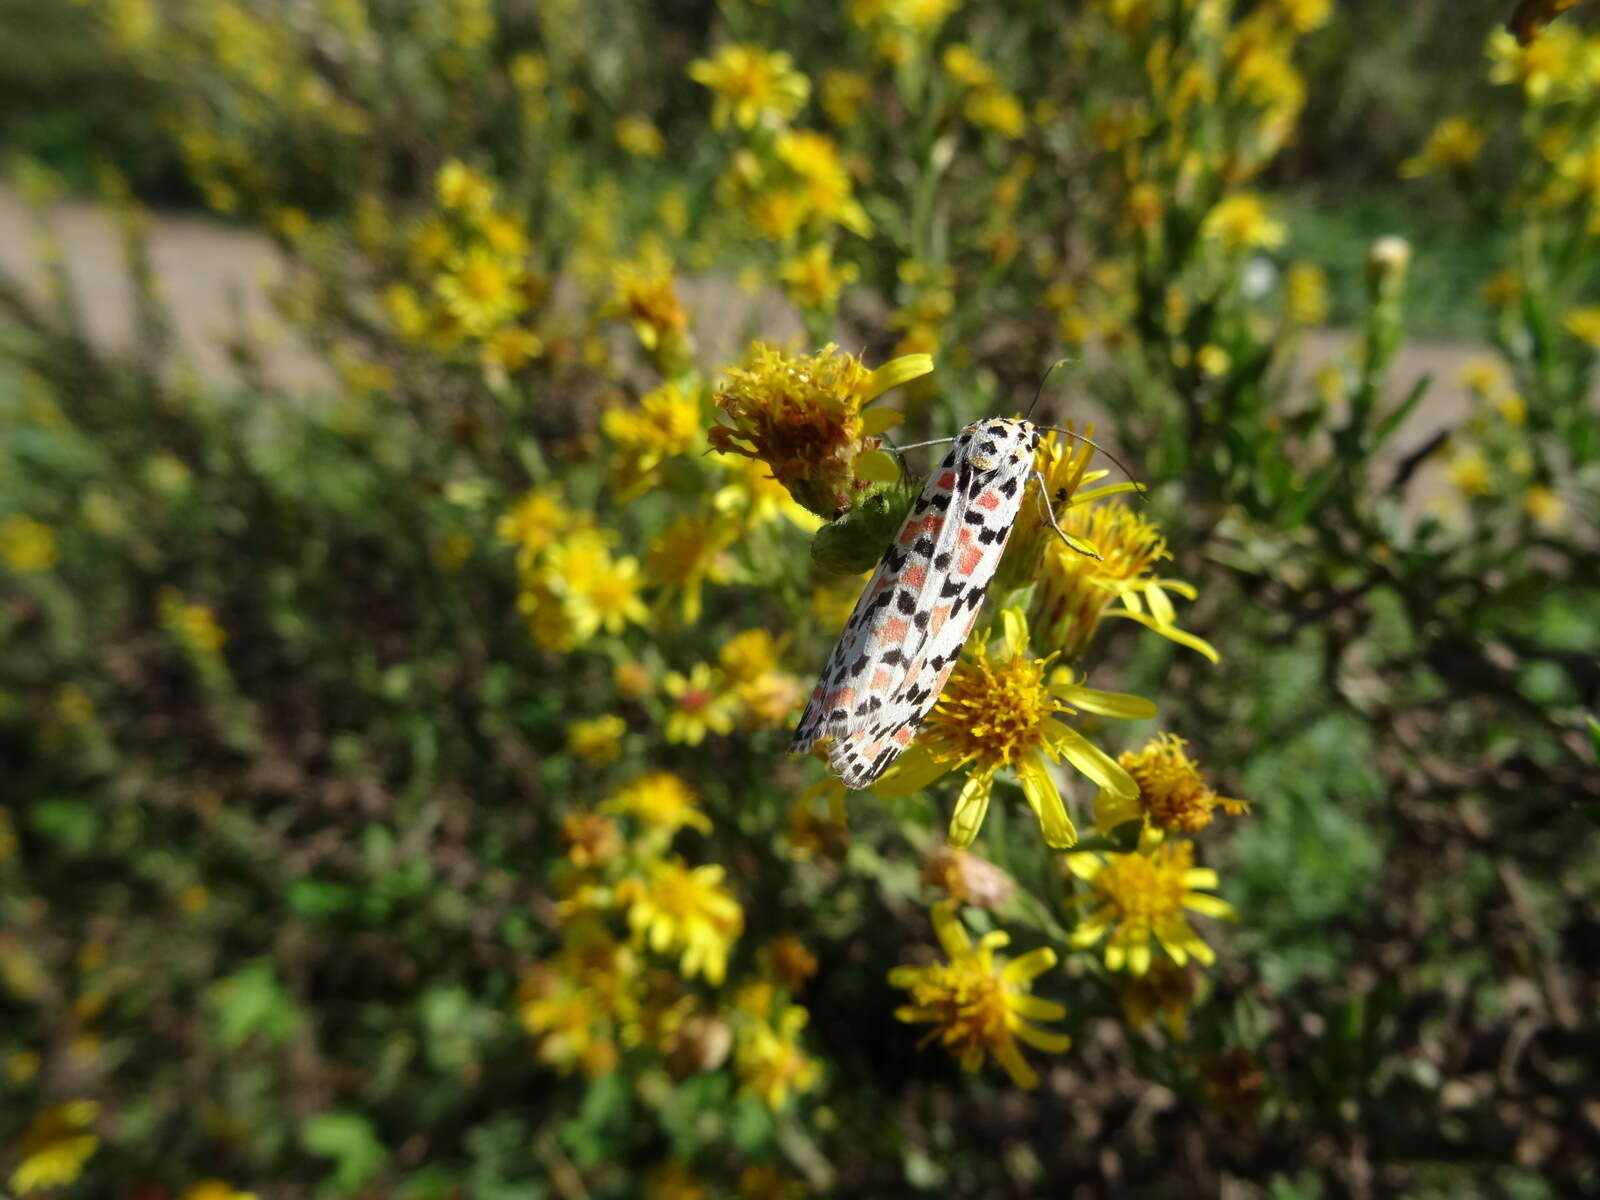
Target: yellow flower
{"type": "Point", "coordinates": [685, 910]}
{"type": "Point", "coordinates": [1305, 15]}
{"type": "Point", "coordinates": [1167, 990]}
{"type": "Point", "coordinates": [1240, 222]}
{"type": "Point", "coordinates": [1305, 294]}
{"type": "Point", "coordinates": [824, 188]}
{"type": "Point", "coordinates": [1547, 509]}
{"type": "Point", "coordinates": [665, 424]}
{"type": "Point", "coordinates": [592, 840]}
{"type": "Point", "coordinates": [460, 187]}
{"type": "Point", "coordinates": [1546, 67]}
{"type": "Point", "coordinates": [1173, 795]}
{"type": "Point", "coordinates": [685, 556]}
{"type": "Point", "coordinates": [510, 349]}
{"type": "Point", "coordinates": [597, 740]}
{"type": "Point", "coordinates": [787, 960]}
{"type": "Point", "coordinates": [812, 281]}
{"type": "Point", "coordinates": [998, 111]}
{"type": "Point", "coordinates": [747, 656]}
{"type": "Point", "coordinates": [609, 598]}
{"type": "Point", "coordinates": [26, 545]}
{"type": "Point", "coordinates": [639, 136]}
{"type": "Point", "coordinates": [534, 522]}
{"type": "Point", "coordinates": [644, 297]}
{"type": "Point", "coordinates": [964, 66]}
{"type": "Point", "coordinates": [1469, 471]}
{"type": "Point", "coordinates": [215, 1189]}
{"type": "Point", "coordinates": [1137, 897]}
{"type": "Point", "coordinates": [562, 1013]}
{"type": "Point", "coordinates": [1584, 324]}
{"type": "Point", "coordinates": [770, 1062]}
{"type": "Point", "coordinates": [803, 417]}
{"type": "Point", "coordinates": [479, 289]}
{"type": "Point", "coordinates": [700, 705]}
{"type": "Point", "coordinates": [660, 800]}
{"type": "Point", "coordinates": [194, 625]}
{"type": "Point", "coordinates": [751, 84]}
{"type": "Point", "coordinates": [843, 94]}
{"type": "Point", "coordinates": [1075, 592]}
{"type": "Point", "coordinates": [1454, 145]}
{"type": "Point", "coordinates": [1004, 711]}
{"type": "Point", "coordinates": [978, 1004]}
{"type": "Point", "coordinates": [53, 1149]}
{"type": "Point", "coordinates": [1213, 360]}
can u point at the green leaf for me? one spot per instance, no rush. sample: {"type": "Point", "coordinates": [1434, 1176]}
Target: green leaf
{"type": "Point", "coordinates": [251, 1002]}
{"type": "Point", "coordinates": [347, 1138]}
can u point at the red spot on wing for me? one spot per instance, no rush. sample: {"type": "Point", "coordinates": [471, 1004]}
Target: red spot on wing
{"type": "Point", "coordinates": [842, 698]}
{"type": "Point", "coordinates": [902, 736]}
{"type": "Point", "coordinates": [892, 632]}
{"type": "Point", "coordinates": [914, 576]}
{"type": "Point", "coordinates": [947, 481]}
{"type": "Point", "coordinates": [880, 679]}
{"type": "Point", "coordinates": [970, 558]}
{"type": "Point", "coordinates": [940, 616]}
{"type": "Point", "coordinates": [990, 499]}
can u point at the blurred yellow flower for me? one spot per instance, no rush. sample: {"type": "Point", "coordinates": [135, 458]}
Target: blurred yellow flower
{"type": "Point", "coordinates": [1545, 506]}
{"type": "Point", "coordinates": [644, 296]}
{"type": "Point", "coordinates": [964, 66]}
{"type": "Point", "coordinates": [1469, 472]}
{"type": "Point", "coordinates": [700, 705]}
{"type": "Point", "coordinates": [1138, 897]}
{"type": "Point", "coordinates": [1584, 324]}
{"type": "Point", "coordinates": [1173, 796]}
{"type": "Point", "coordinates": [1005, 710]}
{"type": "Point", "coordinates": [685, 556]}
{"type": "Point", "coordinates": [460, 187]}
{"type": "Point", "coordinates": [665, 424]}
{"type": "Point", "coordinates": [1165, 990]}
{"type": "Point", "coordinates": [843, 94]}
{"type": "Point", "coordinates": [769, 1059]}
{"type": "Point", "coordinates": [639, 136]}
{"type": "Point", "coordinates": [597, 740]}
{"type": "Point", "coordinates": [607, 597]}
{"type": "Point", "coordinates": [997, 111]}
{"type": "Point", "coordinates": [751, 84]}
{"type": "Point", "coordinates": [592, 840]}
{"type": "Point", "coordinates": [685, 910]}
{"type": "Point", "coordinates": [660, 800]}
{"type": "Point", "coordinates": [27, 546]}
{"type": "Point", "coordinates": [510, 348]}
{"type": "Point", "coordinates": [479, 289]}
{"type": "Point", "coordinates": [1305, 294]}
{"type": "Point", "coordinates": [812, 281]}
{"type": "Point", "coordinates": [1213, 360]}
{"type": "Point", "coordinates": [535, 520]}
{"type": "Point", "coordinates": [194, 625]}
{"type": "Point", "coordinates": [978, 1004]}
{"type": "Point", "coordinates": [1551, 64]}
{"type": "Point", "coordinates": [1454, 145]}
{"type": "Point", "coordinates": [1240, 222]}
{"type": "Point", "coordinates": [823, 184]}
{"type": "Point", "coordinates": [803, 417]}
{"type": "Point", "coordinates": [54, 1147]}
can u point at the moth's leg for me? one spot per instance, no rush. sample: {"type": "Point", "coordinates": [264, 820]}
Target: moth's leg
{"type": "Point", "coordinates": [1050, 516]}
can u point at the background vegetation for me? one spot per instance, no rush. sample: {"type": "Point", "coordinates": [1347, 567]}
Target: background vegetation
{"type": "Point", "coordinates": [397, 801]}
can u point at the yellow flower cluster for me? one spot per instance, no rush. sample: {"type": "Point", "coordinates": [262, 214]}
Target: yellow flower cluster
{"type": "Point", "coordinates": [469, 284]}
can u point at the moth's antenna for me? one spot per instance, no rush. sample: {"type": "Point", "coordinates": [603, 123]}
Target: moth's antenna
{"type": "Point", "coordinates": [1060, 362]}
{"type": "Point", "coordinates": [1143, 494]}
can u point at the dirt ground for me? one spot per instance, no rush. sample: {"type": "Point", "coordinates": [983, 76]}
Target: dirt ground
{"type": "Point", "coordinates": [218, 278]}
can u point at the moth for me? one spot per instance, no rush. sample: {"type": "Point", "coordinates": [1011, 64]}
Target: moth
{"type": "Point", "coordinates": [906, 632]}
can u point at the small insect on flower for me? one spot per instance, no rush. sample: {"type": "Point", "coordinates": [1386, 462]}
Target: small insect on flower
{"type": "Point", "coordinates": [906, 632]}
